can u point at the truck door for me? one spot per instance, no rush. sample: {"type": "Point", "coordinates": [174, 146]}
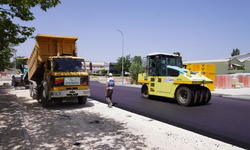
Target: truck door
{"type": "Point", "coordinates": [167, 81]}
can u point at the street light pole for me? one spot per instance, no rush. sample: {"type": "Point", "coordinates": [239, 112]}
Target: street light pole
{"type": "Point", "coordinates": [122, 51]}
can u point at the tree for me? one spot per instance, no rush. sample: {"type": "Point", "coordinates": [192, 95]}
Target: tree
{"type": "Point", "coordinates": [178, 53]}
{"type": "Point", "coordinates": [135, 68]}
{"type": "Point", "coordinates": [136, 59]}
{"type": "Point", "coordinates": [235, 52]}
{"type": "Point", "coordinates": [103, 71]}
{"type": "Point", "coordinates": [5, 56]}
{"type": "Point", "coordinates": [14, 34]}
{"type": "Point", "coordinates": [126, 64]}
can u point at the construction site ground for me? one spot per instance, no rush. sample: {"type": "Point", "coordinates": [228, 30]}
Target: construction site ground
{"type": "Point", "coordinates": [24, 124]}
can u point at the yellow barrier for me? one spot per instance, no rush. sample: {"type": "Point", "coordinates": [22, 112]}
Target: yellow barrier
{"type": "Point", "coordinates": [212, 77]}
{"type": "Point", "coordinates": [208, 70]}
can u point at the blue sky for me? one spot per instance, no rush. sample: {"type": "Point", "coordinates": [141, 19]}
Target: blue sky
{"type": "Point", "coordinates": [198, 29]}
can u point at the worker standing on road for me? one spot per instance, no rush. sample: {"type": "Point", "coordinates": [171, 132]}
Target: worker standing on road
{"type": "Point", "coordinates": [109, 89]}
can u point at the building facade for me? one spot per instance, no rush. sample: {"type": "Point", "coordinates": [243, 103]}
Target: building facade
{"type": "Point", "coordinates": [110, 68]}
{"type": "Point", "coordinates": [98, 66]}
{"type": "Point", "coordinates": [228, 65]}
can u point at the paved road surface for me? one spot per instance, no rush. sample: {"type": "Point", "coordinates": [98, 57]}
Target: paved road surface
{"type": "Point", "coordinates": [225, 119]}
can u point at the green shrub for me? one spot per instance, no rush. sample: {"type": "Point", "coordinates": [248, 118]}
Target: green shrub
{"type": "Point", "coordinates": [240, 68]}
{"type": "Point", "coordinates": [94, 74]}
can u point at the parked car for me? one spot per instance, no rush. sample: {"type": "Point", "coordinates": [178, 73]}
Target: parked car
{"type": "Point", "coordinates": [103, 74]}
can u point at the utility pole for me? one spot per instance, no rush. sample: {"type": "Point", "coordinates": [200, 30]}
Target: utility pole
{"type": "Point", "coordinates": [122, 52]}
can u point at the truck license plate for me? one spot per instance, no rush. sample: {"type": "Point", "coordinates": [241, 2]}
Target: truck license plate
{"type": "Point", "coordinates": [72, 95]}
{"type": "Point", "coordinates": [72, 81]}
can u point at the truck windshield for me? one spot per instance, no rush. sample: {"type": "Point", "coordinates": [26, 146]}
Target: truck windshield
{"type": "Point", "coordinates": [68, 64]}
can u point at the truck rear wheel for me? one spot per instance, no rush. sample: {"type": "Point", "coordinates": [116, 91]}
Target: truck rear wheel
{"type": "Point", "coordinates": [82, 99]}
{"type": "Point", "coordinates": [15, 83]}
{"type": "Point", "coordinates": [33, 91]}
{"type": "Point", "coordinates": [144, 91]}
{"type": "Point", "coordinates": [185, 96]}
{"type": "Point", "coordinates": [45, 101]}
{"type": "Point", "coordinates": [30, 89]}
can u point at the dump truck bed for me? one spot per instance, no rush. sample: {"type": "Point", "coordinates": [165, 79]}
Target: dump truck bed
{"type": "Point", "coordinates": [48, 45]}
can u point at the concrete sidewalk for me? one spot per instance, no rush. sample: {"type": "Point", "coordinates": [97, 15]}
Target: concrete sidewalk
{"type": "Point", "coordinates": [242, 93]}
{"type": "Point", "coordinates": [12, 129]}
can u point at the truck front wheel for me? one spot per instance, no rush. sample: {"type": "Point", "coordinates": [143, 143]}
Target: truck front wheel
{"type": "Point", "coordinates": [185, 96]}
{"type": "Point", "coordinates": [144, 91]}
{"type": "Point", "coordinates": [82, 99]}
{"type": "Point", "coordinates": [45, 101]}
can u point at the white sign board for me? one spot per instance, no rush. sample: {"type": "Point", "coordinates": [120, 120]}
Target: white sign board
{"type": "Point", "coordinates": [72, 81]}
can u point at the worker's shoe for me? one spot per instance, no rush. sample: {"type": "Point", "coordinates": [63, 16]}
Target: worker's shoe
{"type": "Point", "coordinates": [110, 105]}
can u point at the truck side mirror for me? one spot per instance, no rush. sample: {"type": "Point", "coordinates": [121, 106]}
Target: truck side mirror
{"type": "Point", "coordinates": [90, 66]}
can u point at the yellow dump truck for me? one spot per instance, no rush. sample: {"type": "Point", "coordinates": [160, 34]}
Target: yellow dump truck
{"type": "Point", "coordinates": [55, 72]}
{"type": "Point", "coordinates": [165, 77]}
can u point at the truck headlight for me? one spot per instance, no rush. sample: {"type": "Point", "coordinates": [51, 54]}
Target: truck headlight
{"type": "Point", "coordinates": [56, 93]}
{"type": "Point", "coordinates": [86, 92]}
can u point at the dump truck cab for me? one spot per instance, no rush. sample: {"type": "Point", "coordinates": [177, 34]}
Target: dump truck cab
{"type": "Point", "coordinates": [66, 76]}
{"type": "Point", "coordinates": [164, 76]}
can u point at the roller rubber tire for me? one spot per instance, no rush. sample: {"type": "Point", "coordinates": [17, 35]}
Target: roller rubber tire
{"type": "Point", "coordinates": [208, 95]}
{"type": "Point", "coordinates": [203, 96]}
{"type": "Point", "coordinates": [144, 91]}
{"type": "Point", "coordinates": [185, 96]}
{"type": "Point", "coordinates": [82, 99]}
{"type": "Point", "coordinates": [197, 96]}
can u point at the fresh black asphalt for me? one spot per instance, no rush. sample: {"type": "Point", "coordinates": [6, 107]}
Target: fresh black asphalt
{"type": "Point", "coordinates": [224, 119]}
